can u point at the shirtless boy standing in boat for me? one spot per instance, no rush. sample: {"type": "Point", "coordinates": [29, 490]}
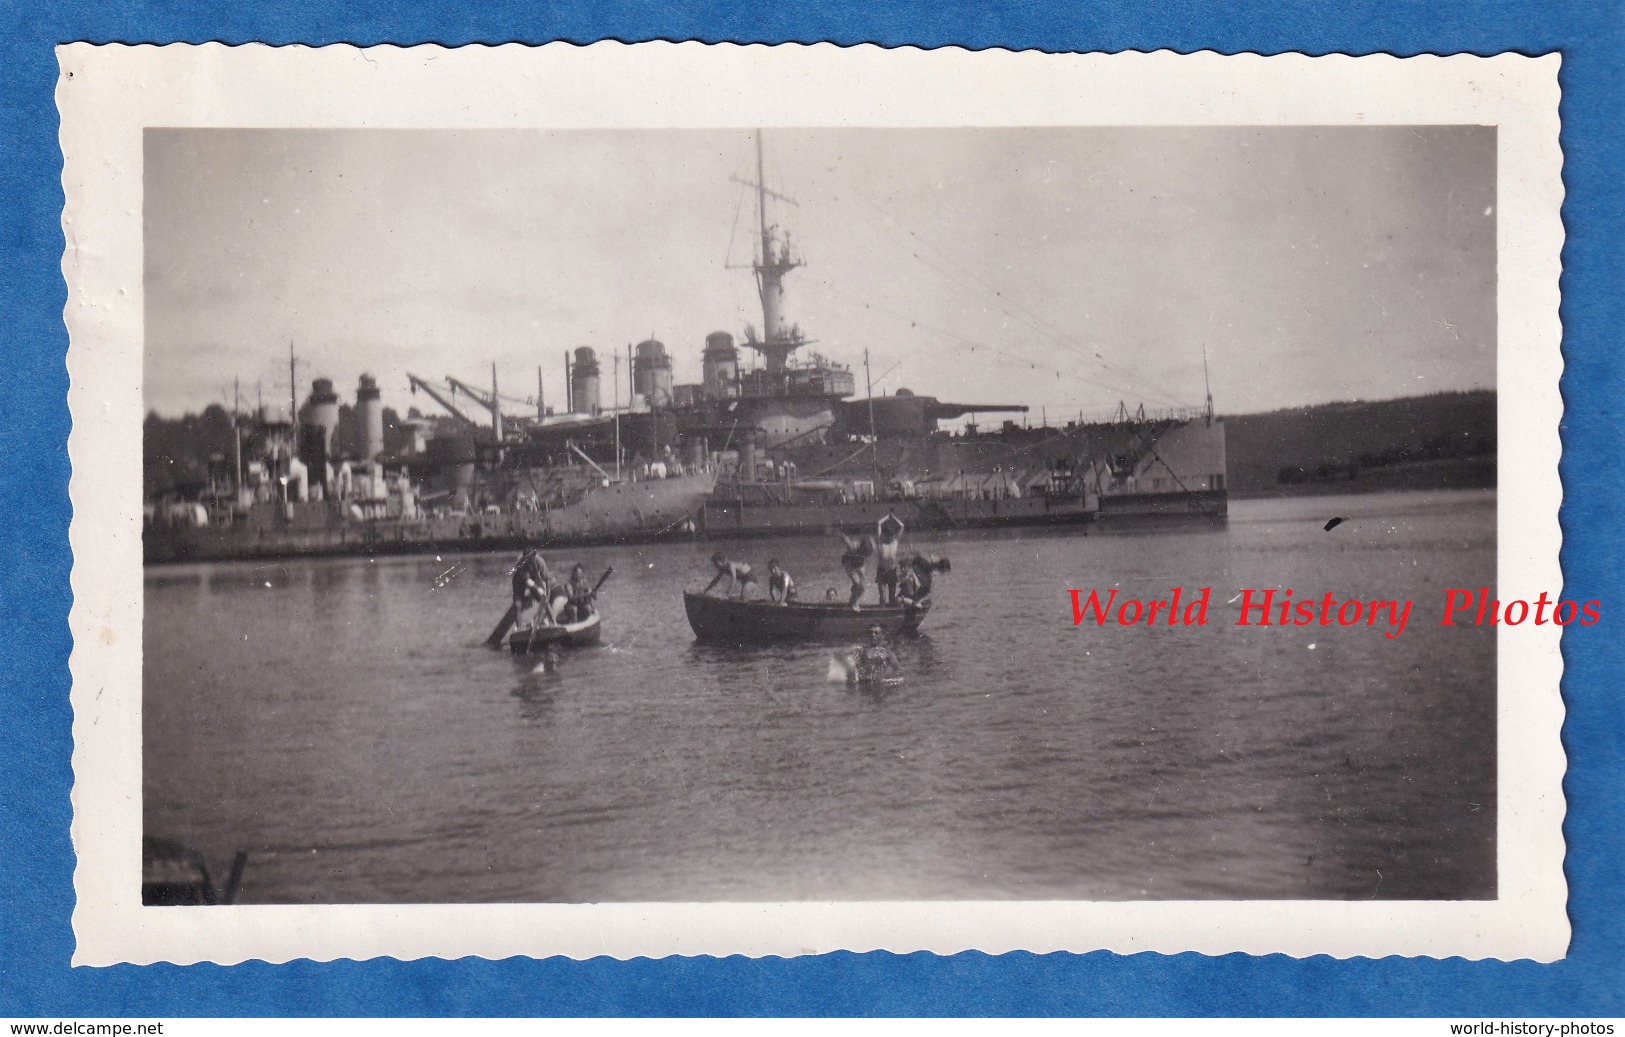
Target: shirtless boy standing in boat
{"type": "Point", "coordinates": [853, 560]}
{"type": "Point", "coordinates": [532, 584]}
{"type": "Point", "coordinates": [737, 574]}
{"type": "Point", "coordinates": [889, 532]}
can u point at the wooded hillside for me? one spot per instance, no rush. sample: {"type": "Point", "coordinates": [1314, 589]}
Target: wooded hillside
{"type": "Point", "coordinates": [1446, 440]}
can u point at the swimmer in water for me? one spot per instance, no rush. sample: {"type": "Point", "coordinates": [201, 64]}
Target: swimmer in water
{"type": "Point", "coordinates": [874, 661]}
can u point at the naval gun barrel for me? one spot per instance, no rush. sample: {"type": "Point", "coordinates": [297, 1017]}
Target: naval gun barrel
{"type": "Point", "coordinates": [940, 411]}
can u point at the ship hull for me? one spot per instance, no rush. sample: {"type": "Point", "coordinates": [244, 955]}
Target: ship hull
{"type": "Point", "coordinates": [588, 632]}
{"type": "Point", "coordinates": [643, 512]}
{"type": "Point", "coordinates": [1168, 473]}
{"type": "Point", "coordinates": [738, 519]}
{"type": "Point", "coordinates": [1150, 511]}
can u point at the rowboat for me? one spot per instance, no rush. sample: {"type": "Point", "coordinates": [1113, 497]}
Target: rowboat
{"type": "Point", "coordinates": [541, 637]}
{"type": "Point", "coordinates": [563, 635]}
{"type": "Point", "coordinates": [730, 622]}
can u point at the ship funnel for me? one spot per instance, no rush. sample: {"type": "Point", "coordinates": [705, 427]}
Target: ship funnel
{"type": "Point", "coordinates": [584, 397]}
{"type": "Point", "coordinates": [321, 413]}
{"type": "Point", "coordinates": [720, 367]}
{"type": "Point", "coordinates": [651, 373]}
{"type": "Point", "coordinates": [369, 408]}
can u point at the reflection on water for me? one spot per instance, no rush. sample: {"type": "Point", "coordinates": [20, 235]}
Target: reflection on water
{"type": "Point", "coordinates": [342, 721]}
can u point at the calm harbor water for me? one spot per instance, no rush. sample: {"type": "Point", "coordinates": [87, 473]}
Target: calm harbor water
{"type": "Point", "coordinates": [341, 721]}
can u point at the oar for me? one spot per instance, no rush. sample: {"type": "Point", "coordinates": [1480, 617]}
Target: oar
{"type": "Point", "coordinates": [593, 594]}
{"type": "Point", "coordinates": [509, 618]}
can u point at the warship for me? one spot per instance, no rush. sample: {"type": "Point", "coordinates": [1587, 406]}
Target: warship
{"type": "Point", "coordinates": [806, 457]}
{"type": "Point", "coordinates": [784, 448]}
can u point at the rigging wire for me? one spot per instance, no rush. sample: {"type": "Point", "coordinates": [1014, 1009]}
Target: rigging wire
{"type": "Point", "coordinates": [1136, 383]}
{"type": "Point", "coordinates": [1036, 321]}
{"type": "Point", "coordinates": [1026, 315]}
{"type": "Point", "coordinates": [528, 401]}
{"type": "Point", "coordinates": [733, 232]}
{"type": "Point", "coordinates": [741, 304]}
{"type": "Point", "coordinates": [969, 343]}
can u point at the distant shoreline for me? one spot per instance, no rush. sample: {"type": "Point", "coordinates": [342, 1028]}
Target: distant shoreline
{"type": "Point", "coordinates": [1467, 473]}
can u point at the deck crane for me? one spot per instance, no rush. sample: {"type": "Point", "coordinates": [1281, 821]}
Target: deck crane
{"type": "Point", "coordinates": [418, 383]}
{"type": "Point", "coordinates": [489, 400]}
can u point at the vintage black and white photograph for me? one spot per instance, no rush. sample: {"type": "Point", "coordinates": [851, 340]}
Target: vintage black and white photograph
{"type": "Point", "coordinates": [782, 514]}
{"type": "Point", "coordinates": [692, 515]}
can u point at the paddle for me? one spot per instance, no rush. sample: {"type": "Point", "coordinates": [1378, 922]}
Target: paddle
{"type": "Point", "coordinates": [592, 595]}
{"type": "Point", "coordinates": [509, 618]}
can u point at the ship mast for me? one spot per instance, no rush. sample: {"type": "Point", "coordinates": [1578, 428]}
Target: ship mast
{"type": "Point", "coordinates": [874, 439]}
{"type": "Point", "coordinates": [496, 408]}
{"type": "Point", "coordinates": [1206, 384]}
{"type": "Point", "coordinates": [773, 262]}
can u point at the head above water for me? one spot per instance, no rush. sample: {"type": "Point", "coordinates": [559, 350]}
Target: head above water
{"type": "Point", "coordinates": [875, 633]}
{"type": "Point", "coordinates": [719, 559]}
{"type": "Point", "coordinates": [774, 567]}
{"type": "Point", "coordinates": [577, 570]}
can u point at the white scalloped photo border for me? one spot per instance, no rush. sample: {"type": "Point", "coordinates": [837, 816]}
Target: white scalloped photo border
{"type": "Point", "coordinates": [107, 95]}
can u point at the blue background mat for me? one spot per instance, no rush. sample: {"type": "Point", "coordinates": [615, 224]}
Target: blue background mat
{"type": "Point", "coordinates": [36, 859]}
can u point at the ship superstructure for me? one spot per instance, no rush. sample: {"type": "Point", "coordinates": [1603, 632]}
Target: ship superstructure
{"type": "Point", "coordinates": [807, 468]}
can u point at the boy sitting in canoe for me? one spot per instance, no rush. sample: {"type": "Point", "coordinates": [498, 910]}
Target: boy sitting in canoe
{"type": "Point", "coordinates": [580, 593]}
{"type": "Point", "coordinates": [737, 574]}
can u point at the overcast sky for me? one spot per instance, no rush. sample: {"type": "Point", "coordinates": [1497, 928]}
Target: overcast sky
{"type": "Point", "coordinates": [1062, 268]}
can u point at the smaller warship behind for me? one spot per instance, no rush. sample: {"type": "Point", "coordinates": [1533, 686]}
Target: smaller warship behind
{"type": "Point", "coordinates": [778, 449]}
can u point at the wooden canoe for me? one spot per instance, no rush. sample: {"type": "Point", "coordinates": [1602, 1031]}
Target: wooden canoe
{"type": "Point", "coordinates": [564, 635]}
{"type": "Point", "coordinates": [727, 621]}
